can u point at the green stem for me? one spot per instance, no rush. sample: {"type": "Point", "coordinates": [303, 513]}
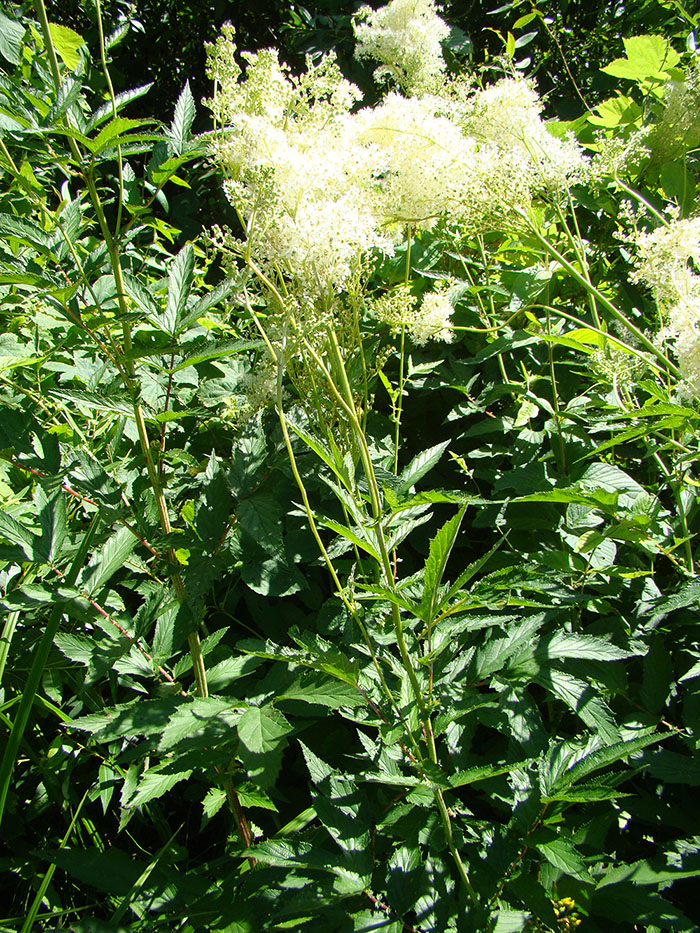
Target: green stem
{"type": "Point", "coordinates": [605, 302]}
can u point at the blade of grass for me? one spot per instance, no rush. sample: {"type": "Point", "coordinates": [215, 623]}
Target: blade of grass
{"type": "Point", "coordinates": [141, 880]}
{"type": "Point", "coordinates": [46, 880]}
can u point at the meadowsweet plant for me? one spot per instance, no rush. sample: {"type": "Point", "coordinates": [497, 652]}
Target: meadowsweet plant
{"type": "Point", "coordinates": [348, 560]}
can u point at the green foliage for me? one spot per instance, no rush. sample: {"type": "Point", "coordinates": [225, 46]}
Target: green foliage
{"type": "Point", "coordinates": [411, 647]}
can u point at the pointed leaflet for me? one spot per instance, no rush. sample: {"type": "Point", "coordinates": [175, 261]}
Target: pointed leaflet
{"type": "Point", "coordinates": [180, 279]}
{"type": "Point", "coordinates": [421, 464]}
{"type": "Point", "coordinates": [183, 118]}
{"type": "Point", "coordinates": [11, 35]}
{"type": "Point", "coordinates": [105, 111]}
{"type": "Point", "coordinates": [262, 732]}
{"type": "Point", "coordinates": [18, 534]}
{"type": "Point", "coordinates": [66, 42]}
{"type": "Point", "coordinates": [440, 550]}
{"type": "Point", "coordinates": [603, 757]}
{"type": "Point", "coordinates": [155, 783]}
{"type": "Point", "coordinates": [111, 557]}
{"type": "Point", "coordinates": [52, 517]}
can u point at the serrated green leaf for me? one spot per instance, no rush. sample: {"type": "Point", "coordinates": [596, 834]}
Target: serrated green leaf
{"type": "Point", "coordinates": [213, 802]}
{"type": "Point", "coordinates": [261, 729]}
{"type": "Point", "coordinates": [11, 35]}
{"type": "Point", "coordinates": [262, 732]}
{"type": "Point", "coordinates": [141, 295]}
{"type": "Point", "coordinates": [483, 772]}
{"type": "Point", "coordinates": [421, 464]}
{"type": "Point", "coordinates": [28, 232]}
{"type": "Point", "coordinates": [113, 134]}
{"type": "Point", "coordinates": [440, 550]}
{"type": "Point", "coordinates": [180, 278]}
{"type": "Point", "coordinates": [111, 557]}
{"type": "Point", "coordinates": [601, 758]}
{"type": "Point", "coordinates": [154, 783]}
{"type": "Point", "coordinates": [563, 855]}
{"type": "Point", "coordinates": [125, 97]}
{"type": "Point", "coordinates": [323, 691]}
{"type": "Point", "coordinates": [582, 698]}
{"type": "Point", "coordinates": [52, 517]}
{"type": "Point", "coordinates": [142, 717]}
{"type": "Point", "coordinates": [183, 118]}
{"type": "Point", "coordinates": [573, 645]}
{"type": "Point", "coordinates": [209, 719]}
{"type": "Point", "coordinates": [643, 872]}
{"type": "Point", "coordinates": [217, 351]}
{"type": "Point", "coordinates": [66, 42]}
{"type": "Point", "coordinates": [17, 533]}
{"type": "Point", "coordinates": [349, 535]}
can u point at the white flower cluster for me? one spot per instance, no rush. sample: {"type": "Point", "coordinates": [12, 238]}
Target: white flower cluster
{"type": "Point", "coordinates": [668, 261]}
{"type": "Point", "coordinates": [405, 37]}
{"type": "Point", "coordinates": [320, 183]}
{"type": "Point", "coordinates": [678, 130]}
{"type": "Point", "coordinates": [507, 116]}
{"type": "Point", "coordinates": [432, 320]}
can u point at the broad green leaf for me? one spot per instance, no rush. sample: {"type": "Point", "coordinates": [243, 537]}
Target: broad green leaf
{"type": "Point", "coordinates": [154, 783]}
{"type": "Point", "coordinates": [507, 920]}
{"type": "Point", "coordinates": [262, 732]}
{"type": "Point", "coordinates": [644, 872]}
{"type": "Point", "coordinates": [483, 772]}
{"type": "Point", "coordinates": [323, 691]}
{"type": "Point", "coordinates": [229, 671]}
{"type": "Point", "coordinates": [440, 550]}
{"type": "Point", "coordinates": [11, 35]}
{"type": "Point", "coordinates": [213, 802]}
{"type": "Point", "coordinates": [563, 855]}
{"type": "Point", "coordinates": [28, 232]}
{"type": "Point", "coordinates": [633, 905]}
{"type": "Point", "coordinates": [114, 134]}
{"type": "Point", "coordinates": [602, 757]}
{"type": "Point", "coordinates": [142, 717]}
{"type": "Point", "coordinates": [421, 464]}
{"type": "Point", "coordinates": [211, 720]}
{"type": "Point", "coordinates": [183, 118]}
{"type": "Point", "coordinates": [646, 57]}
{"type": "Point", "coordinates": [180, 278]}
{"type": "Point", "coordinates": [111, 557]}
{"type": "Point", "coordinates": [273, 577]}
{"type": "Point", "coordinates": [66, 42]}
{"type": "Point", "coordinates": [674, 768]}
{"type": "Point", "coordinates": [260, 518]}
{"type": "Point", "coordinates": [261, 729]}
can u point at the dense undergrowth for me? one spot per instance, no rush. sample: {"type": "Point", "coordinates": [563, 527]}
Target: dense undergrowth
{"type": "Point", "coordinates": [348, 554]}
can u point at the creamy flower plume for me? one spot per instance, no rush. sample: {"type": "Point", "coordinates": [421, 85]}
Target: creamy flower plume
{"type": "Point", "coordinates": [668, 261]}
{"type": "Point", "coordinates": [320, 184]}
{"type": "Point", "coordinates": [405, 36]}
